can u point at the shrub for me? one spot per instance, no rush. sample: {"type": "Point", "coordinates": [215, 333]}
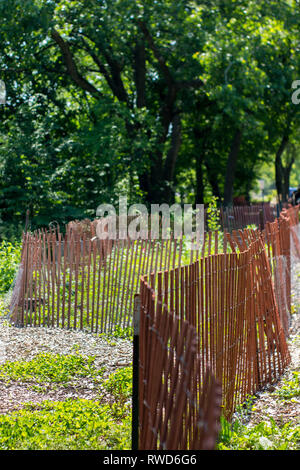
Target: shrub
{"type": "Point", "coordinates": [10, 256]}
{"type": "Point", "coordinates": [213, 215]}
{"type": "Point", "coordinates": [120, 383]}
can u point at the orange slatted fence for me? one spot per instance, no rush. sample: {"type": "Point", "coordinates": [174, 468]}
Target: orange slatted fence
{"type": "Point", "coordinates": [229, 299]}
{"type": "Point", "coordinates": [176, 411]}
{"type": "Point", "coordinates": [239, 217]}
{"type": "Point", "coordinates": [211, 319]}
{"type": "Point", "coordinates": [78, 281]}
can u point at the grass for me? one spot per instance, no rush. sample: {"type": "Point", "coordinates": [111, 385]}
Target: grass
{"type": "Point", "coordinates": [73, 424]}
{"type": "Point", "coordinates": [76, 424]}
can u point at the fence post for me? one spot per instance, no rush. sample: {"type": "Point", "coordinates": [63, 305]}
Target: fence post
{"type": "Point", "coordinates": [135, 374]}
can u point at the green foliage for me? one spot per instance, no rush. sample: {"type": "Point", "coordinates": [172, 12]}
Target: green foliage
{"type": "Point", "coordinates": [122, 333]}
{"type": "Point", "coordinates": [11, 231]}
{"type": "Point", "coordinates": [10, 256]}
{"type": "Point", "coordinates": [263, 436]}
{"type": "Point", "coordinates": [290, 388]}
{"type": "Point", "coordinates": [213, 215]}
{"type": "Point", "coordinates": [71, 424]}
{"type": "Point", "coordinates": [4, 306]}
{"type": "Point", "coordinates": [50, 367]}
{"type": "Point", "coordinates": [160, 89]}
{"type": "Point", "coordinates": [266, 435]}
{"type": "Point", "coordinates": [66, 425]}
{"type": "Point", "coordinates": [120, 384]}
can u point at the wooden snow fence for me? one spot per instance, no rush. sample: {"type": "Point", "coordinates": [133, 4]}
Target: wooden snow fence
{"type": "Point", "coordinates": [214, 322]}
{"type": "Point", "coordinates": [229, 299]}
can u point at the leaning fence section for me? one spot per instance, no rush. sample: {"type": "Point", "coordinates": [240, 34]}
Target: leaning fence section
{"type": "Point", "coordinates": [75, 281]}
{"type": "Point", "coordinates": [229, 299]}
{"type": "Point", "coordinates": [283, 245]}
{"type": "Point", "coordinates": [176, 412]}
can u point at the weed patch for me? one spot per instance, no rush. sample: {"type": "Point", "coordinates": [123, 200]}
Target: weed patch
{"type": "Point", "coordinates": [263, 436]}
{"type": "Point", "coordinates": [49, 367]}
{"type": "Point", "coordinates": [67, 425]}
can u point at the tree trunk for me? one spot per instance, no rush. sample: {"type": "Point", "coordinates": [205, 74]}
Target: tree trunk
{"type": "Point", "coordinates": [199, 199]}
{"type": "Point", "coordinates": [279, 167]}
{"type": "Point", "coordinates": [231, 167]}
{"type": "Point", "coordinates": [151, 181]}
{"type": "Point", "coordinates": [170, 162]}
{"type": "Point", "coordinates": [140, 73]}
{"type": "Point", "coordinates": [200, 147]}
{"type": "Point", "coordinates": [212, 179]}
{"type": "Point", "coordinates": [286, 171]}
{"type": "Point", "coordinates": [286, 183]}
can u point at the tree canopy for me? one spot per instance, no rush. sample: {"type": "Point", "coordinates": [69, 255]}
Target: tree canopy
{"type": "Point", "coordinates": [158, 100]}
